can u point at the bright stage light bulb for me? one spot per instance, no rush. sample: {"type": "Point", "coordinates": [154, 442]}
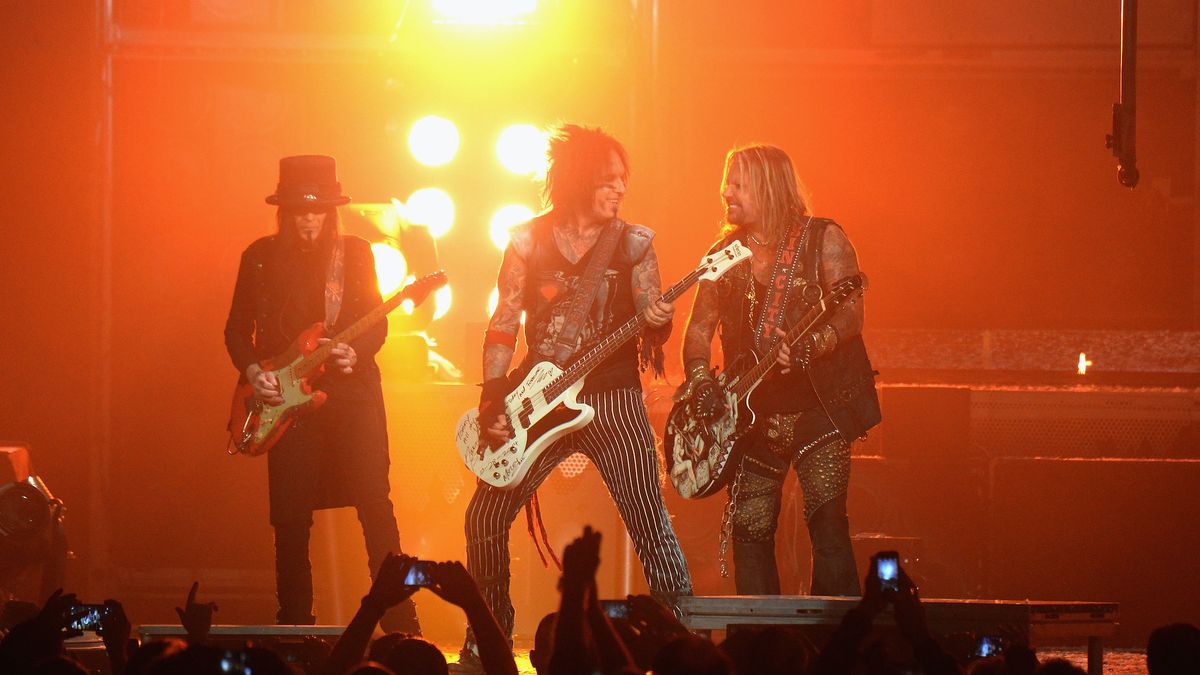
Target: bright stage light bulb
{"type": "Point", "coordinates": [432, 208]}
{"type": "Point", "coordinates": [503, 221]}
{"type": "Point", "coordinates": [433, 140]}
{"type": "Point", "coordinates": [441, 302]}
{"type": "Point", "coordinates": [522, 149]}
{"type": "Point", "coordinates": [484, 11]}
{"type": "Point", "coordinates": [390, 268]}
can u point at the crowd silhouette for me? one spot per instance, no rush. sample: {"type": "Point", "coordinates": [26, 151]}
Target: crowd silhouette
{"type": "Point", "coordinates": [586, 635]}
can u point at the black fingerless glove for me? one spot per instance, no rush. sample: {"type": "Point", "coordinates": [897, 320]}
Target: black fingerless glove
{"type": "Point", "coordinates": [491, 399]}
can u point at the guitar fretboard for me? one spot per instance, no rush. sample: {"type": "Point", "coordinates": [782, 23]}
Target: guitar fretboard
{"type": "Point", "coordinates": [742, 384]}
{"type": "Point", "coordinates": [580, 367]}
{"type": "Point", "coordinates": [319, 355]}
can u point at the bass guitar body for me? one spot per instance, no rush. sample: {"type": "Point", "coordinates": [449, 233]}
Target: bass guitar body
{"type": "Point", "coordinates": [261, 425]}
{"type": "Point", "coordinates": [537, 422]}
{"type": "Point", "coordinates": [702, 455]}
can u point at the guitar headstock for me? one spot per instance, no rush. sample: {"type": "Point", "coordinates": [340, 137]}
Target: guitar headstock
{"type": "Point", "coordinates": [717, 264]}
{"type": "Point", "coordinates": [847, 288]}
{"type": "Point", "coordinates": [420, 289]}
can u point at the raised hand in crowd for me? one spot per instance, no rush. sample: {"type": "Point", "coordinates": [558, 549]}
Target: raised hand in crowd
{"type": "Point", "coordinates": [196, 617]}
{"type": "Point", "coordinates": [574, 651]}
{"type": "Point", "coordinates": [452, 583]}
{"type": "Point", "coordinates": [387, 591]}
{"type": "Point", "coordinates": [115, 631]}
{"type": "Point", "coordinates": [841, 651]}
{"type": "Point", "coordinates": [649, 626]}
{"type": "Point", "coordinates": [910, 617]}
{"type": "Point", "coordinates": [614, 654]}
{"type": "Point", "coordinates": [39, 637]}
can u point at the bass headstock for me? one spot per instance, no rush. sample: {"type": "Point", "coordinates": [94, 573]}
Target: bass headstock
{"type": "Point", "coordinates": [715, 265]}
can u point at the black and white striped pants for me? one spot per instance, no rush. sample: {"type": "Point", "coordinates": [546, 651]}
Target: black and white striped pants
{"type": "Point", "coordinates": [620, 442]}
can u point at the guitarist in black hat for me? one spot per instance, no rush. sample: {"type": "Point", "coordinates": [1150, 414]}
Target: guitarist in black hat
{"type": "Point", "coordinates": [308, 272]}
{"type": "Point", "coordinates": [823, 396]}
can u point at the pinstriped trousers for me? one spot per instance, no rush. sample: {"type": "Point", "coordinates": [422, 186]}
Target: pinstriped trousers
{"type": "Point", "coordinates": [620, 442]}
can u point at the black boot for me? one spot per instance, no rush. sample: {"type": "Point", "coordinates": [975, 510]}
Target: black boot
{"type": "Point", "coordinates": [833, 569]}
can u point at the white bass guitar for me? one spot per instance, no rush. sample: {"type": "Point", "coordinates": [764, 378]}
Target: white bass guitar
{"type": "Point", "coordinates": [543, 408]}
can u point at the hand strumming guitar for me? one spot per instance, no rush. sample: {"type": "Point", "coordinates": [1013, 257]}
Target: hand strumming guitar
{"type": "Point", "coordinates": [266, 386]}
{"type": "Point", "coordinates": [494, 423]}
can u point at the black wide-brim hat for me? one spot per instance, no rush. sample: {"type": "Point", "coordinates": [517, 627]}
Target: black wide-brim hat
{"type": "Point", "coordinates": [308, 180]}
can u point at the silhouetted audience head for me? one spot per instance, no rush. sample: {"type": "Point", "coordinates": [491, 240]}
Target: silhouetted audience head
{"type": "Point", "coordinates": [543, 643]}
{"type": "Point", "coordinates": [1172, 649]}
{"type": "Point", "coordinates": [371, 668]}
{"type": "Point", "coordinates": [992, 665]}
{"type": "Point", "coordinates": [414, 656]}
{"type": "Point", "coordinates": [1060, 667]}
{"type": "Point", "coordinates": [767, 650]}
{"type": "Point", "coordinates": [150, 653]}
{"type": "Point", "coordinates": [205, 660]}
{"type": "Point", "coordinates": [692, 655]}
{"type": "Point", "coordinates": [59, 665]}
{"type": "Point", "coordinates": [383, 645]}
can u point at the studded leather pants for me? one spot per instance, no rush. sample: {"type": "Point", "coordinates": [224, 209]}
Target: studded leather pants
{"type": "Point", "coordinates": [822, 463]}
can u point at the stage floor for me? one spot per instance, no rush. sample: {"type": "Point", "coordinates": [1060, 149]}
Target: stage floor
{"type": "Point", "coordinates": [1116, 661]}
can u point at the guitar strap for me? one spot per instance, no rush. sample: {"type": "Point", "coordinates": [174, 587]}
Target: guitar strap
{"type": "Point", "coordinates": [787, 260]}
{"type": "Point", "coordinates": [585, 291]}
{"type": "Point", "coordinates": [335, 279]}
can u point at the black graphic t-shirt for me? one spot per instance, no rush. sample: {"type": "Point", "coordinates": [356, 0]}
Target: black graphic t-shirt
{"type": "Point", "coordinates": [550, 287]}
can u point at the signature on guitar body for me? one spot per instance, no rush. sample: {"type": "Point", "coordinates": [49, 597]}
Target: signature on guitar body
{"type": "Point", "coordinates": [255, 426]}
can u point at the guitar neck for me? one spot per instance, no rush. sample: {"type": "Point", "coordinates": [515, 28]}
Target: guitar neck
{"type": "Point", "coordinates": [321, 354]}
{"type": "Point", "coordinates": [742, 384]}
{"type": "Point", "coordinates": [580, 367]}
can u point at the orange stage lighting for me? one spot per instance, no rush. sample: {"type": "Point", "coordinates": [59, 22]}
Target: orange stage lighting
{"type": "Point", "coordinates": [522, 149]}
{"type": "Point", "coordinates": [432, 208]}
{"type": "Point", "coordinates": [390, 267]}
{"type": "Point", "coordinates": [433, 140]}
{"type": "Point", "coordinates": [441, 302]}
{"type": "Point", "coordinates": [504, 219]}
{"type": "Point", "coordinates": [485, 12]}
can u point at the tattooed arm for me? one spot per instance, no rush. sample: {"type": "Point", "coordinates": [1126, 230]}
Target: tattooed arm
{"type": "Point", "coordinates": [701, 326]}
{"type": "Point", "coordinates": [647, 291]}
{"type": "Point", "coordinates": [500, 343]}
{"type": "Point", "coordinates": [499, 346]}
{"type": "Point", "coordinates": [839, 261]}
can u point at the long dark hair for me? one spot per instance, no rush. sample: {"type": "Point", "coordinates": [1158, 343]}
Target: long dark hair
{"type": "Point", "coordinates": [578, 156]}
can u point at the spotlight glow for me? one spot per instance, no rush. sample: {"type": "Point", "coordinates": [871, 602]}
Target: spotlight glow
{"type": "Point", "coordinates": [494, 299]}
{"type": "Point", "coordinates": [390, 267]}
{"type": "Point", "coordinates": [481, 12]}
{"type": "Point", "coordinates": [503, 221]}
{"type": "Point", "coordinates": [432, 208]}
{"type": "Point", "coordinates": [433, 140]}
{"type": "Point", "coordinates": [441, 302]}
{"type": "Point", "coordinates": [522, 149]}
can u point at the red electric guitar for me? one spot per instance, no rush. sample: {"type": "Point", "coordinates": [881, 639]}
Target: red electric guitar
{"type": "Point", "coordinates": [255, 426]}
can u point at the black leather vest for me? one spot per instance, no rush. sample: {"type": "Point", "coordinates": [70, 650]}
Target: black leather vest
{"type": "Point", "coordinates": [844, 381]}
